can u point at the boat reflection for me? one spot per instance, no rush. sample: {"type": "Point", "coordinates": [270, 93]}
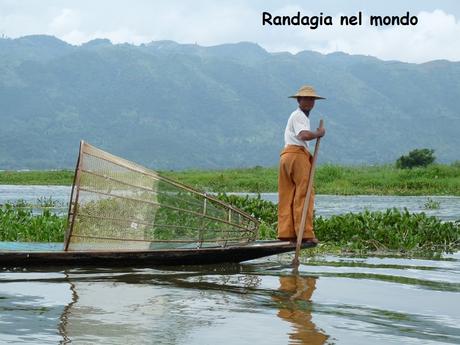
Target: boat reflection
{"type": "Point", "coordinates": [64, 319]}
{"type": "Point", "coordinates": [148, 306]}
{"type": "Point", "coordinates": [295, 306]}
{"type": "Point", "coordinates": [175, 307]}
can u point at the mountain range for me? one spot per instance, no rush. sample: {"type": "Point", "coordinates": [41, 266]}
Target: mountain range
{"type": "Point", "coordinates": [167, 105]}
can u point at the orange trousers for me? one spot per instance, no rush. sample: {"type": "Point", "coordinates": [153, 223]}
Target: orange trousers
{"type": "Point", "coordinates": [294, 173]}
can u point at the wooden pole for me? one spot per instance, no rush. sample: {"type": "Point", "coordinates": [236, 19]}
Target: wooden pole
{"type": "Point", "coordinates": [73, 204]}
{"type": "Point", "coordinates": [296, 262]}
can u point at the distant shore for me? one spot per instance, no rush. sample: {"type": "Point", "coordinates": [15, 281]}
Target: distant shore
{"type": "Point", "coordinates": [436, 179]}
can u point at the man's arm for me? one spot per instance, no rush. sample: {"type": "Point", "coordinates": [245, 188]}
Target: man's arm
{"type": "Point", "coordinates": [310, 135]}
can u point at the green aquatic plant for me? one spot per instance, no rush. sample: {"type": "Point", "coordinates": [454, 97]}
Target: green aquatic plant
{"type": "Point", "coordinates": [257, 207]}
{"type": "Point", "coordinates": [431, 204]}
{"type": "Point", "coordinates": [390, 231]}
{"type": "Point", "coordinates": [24, 222]}
{"type": "Point", "coordinates": [369, 231]}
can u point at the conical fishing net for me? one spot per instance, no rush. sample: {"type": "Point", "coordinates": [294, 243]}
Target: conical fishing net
{"type": "Point", "coordinates": [120, 205]}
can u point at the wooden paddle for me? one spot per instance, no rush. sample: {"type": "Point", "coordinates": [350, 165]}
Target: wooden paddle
{"type": "Point", "coordinates": [296, 262]}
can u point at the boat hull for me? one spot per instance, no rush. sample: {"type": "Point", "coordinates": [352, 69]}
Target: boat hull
{"type": "Point", "coordinates": [147, 258]}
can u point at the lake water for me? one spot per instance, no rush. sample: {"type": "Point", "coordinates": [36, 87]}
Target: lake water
{"type": "Point", "coordinates": [331, 300]}
{"type": "Point", "coordinates": [325, 205]}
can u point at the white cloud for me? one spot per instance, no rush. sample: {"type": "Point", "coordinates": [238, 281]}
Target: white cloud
{"type": "Point", "coordinates": [67, 20]}
{"type": "Point", "coordinates": [209, 23]}
{"type": "Point", "coordinates": [434, 37]}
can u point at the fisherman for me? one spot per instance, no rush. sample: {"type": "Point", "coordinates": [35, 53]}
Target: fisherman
{"type": "Point", "coordinates": [294, 169]}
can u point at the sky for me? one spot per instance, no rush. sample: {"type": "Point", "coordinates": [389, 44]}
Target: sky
{"type": "Point", "coordinates": [211, 22]}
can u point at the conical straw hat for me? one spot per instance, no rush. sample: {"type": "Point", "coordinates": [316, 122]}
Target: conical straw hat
{"type": "Point", "coordinates": [307, 91]}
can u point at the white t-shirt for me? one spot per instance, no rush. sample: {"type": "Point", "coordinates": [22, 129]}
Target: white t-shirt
{"type": "Point", "coordinates": [297, 122]}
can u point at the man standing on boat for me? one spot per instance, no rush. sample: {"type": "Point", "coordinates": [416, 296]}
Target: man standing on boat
{"type": "Point", "coordinates": [294, 169]}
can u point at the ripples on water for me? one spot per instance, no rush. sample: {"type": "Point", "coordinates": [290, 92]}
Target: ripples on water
{"type": "Point", "coordinates": [332, 300]}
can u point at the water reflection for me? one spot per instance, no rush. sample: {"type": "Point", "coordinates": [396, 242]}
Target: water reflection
{"type": "Point", "coordinates": [122, 308]}
{"type": "Point", "coordinates": [380, 301]}
{"type": "Point", "coordinates": [64, 318]}
{"type": "Point", "coordinates": [294, 303]}
{"type": "Point", "coordinates": [150, 306]}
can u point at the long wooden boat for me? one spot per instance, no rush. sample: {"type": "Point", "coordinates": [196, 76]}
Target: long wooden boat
{"type": "Point", "coordinates": [143, 258]}
{"type": "Point", "coordinates": [122, 214]}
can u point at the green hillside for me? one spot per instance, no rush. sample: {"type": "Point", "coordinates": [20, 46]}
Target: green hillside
{"type": "Point", "coordinates": [172, 106]}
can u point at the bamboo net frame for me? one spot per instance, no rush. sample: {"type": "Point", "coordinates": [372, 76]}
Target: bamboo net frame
{"type": "Point", "coordinates": [119, 205]}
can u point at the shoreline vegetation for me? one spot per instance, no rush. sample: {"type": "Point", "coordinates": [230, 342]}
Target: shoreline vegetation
{"type": "Point", "coordinates": [435, 179]}
{"type": "Point", "coordinates": [394, 232]}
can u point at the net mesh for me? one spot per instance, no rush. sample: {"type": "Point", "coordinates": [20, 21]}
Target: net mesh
{"type": "Point", "coordinates": [120, 205]}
